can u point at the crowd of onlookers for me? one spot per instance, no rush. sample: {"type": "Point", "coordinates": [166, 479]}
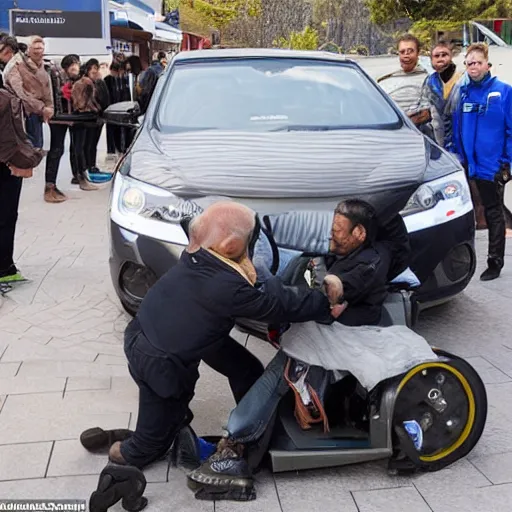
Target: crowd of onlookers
{"type": "Point", "coordinates": [70, 97]}
{"type": "Point", "coordinates": [469, 113]}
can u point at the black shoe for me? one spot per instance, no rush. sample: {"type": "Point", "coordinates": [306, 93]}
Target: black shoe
{"type": "Point", "coordinates": [74, 181]}
{"type": "Point", "coordinates": [224, 476]}
{"type": "Point", "coordinates": [96, 438]}
{"type": "Point", "coordinates": [491, 273]}
{"type": "Point", "coordinates": [116, 483]}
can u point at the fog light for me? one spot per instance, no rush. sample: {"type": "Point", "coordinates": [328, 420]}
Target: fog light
{"type": "Point", "coordinates": [136, 280]}
{"type": "Point", "coordinates": [457, 263]}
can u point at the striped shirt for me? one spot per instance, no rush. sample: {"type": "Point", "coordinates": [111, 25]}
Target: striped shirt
{"type": "Point", "coordinates": [407, 89]}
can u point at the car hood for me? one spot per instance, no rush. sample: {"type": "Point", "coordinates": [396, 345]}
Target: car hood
{"type": "Point", "coordinates": [284, 165]}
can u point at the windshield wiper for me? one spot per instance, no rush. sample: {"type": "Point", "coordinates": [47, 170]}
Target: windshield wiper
{"type": "Point", "coordinates": [306, 128]}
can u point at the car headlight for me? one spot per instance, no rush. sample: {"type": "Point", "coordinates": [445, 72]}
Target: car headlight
{"type": "Point", "coordinates": [150, 202]}
{"type": "Point", "coordinates": [453, 188]}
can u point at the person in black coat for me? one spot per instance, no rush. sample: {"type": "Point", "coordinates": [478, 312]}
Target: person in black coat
{"type": "Point", "coordinates": [186, 318]}
{"type": "Point", "coordinates": [91, 69]}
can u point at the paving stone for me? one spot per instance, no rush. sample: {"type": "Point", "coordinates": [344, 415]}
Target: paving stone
{"type": "Point", "coordinates": [8, 370]}
{"type": "Point", "coordinates": [102, 348]}
{"type": "Point", "coordinates": [18, 386]}
{"type": "Point", "coordinates": [36, 335]}
{"type": "Point", "coordinates": [70, 458]}
{"type": "Point", "coordinates": [497, 468]}
{"type": "Point", "coordinates": [14, 326]}
{"type": "Point", "coordinates": [495, 498]}
{"type": "Point", "coordinates": [461, 475]}
{"type": "Point", "coordinates": [78, 487]}
{"type": "Point", "coordinates": [126, 384]}
{"type": "Point", "coordinates": [267, 499]}
{"type": "Point", "coordinates": [69, 369]}
{"type": "Point", "coordinates": [20, 461]}
{"type": "Point", "coordinates": [367, 477]}
{"type": "Point", "coordinates": [487, 371]}
{"type": "Point", "coordinates": [100, 401]}
{"type": "Point", "coordinates": [404, 499]}
{"type": "Point", "coordinates": [45, 417]}
{"type": "Point", "coordinates": [111, 360]}
{"type": "Point", "coordinates": [28, 351]}
{"type": "Point", "coordinates": [87, 383]}
{"type": "Point", "coordinates": [2, 402]}
{"type": "Point", "coordinates": [319, 488]}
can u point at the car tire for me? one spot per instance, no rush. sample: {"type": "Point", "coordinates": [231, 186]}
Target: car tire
{"type": "Point", "coordinates": [129, 308]}
{"type": "Point", "coordinates": [475, 395]}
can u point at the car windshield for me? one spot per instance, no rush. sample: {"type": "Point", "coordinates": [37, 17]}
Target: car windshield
{"type": "Point", "coordinates": [270, 94]}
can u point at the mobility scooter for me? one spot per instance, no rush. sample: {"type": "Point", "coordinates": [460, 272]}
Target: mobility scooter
{"type": "Point", "coordinates": [421, 420]}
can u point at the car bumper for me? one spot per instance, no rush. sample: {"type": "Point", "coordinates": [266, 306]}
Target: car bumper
{"type": "Point", "coordinates": [444, 260]}
{"type": "Point", "coordinates": [137, 262]}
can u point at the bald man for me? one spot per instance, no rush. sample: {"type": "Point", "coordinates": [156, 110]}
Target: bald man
{"type": "Point", "coordinates": [186, 318]}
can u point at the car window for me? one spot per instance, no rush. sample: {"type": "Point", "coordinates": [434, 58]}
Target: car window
{"type": "Point", "coordinates": [271, 95]}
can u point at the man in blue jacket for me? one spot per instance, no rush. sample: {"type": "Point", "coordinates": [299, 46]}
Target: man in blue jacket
{"type": "Point", "coordinates": [482, 139]}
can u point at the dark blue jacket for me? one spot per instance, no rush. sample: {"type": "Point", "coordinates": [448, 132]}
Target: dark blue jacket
{"type": "Point", "coordinates": [482, 127]}
{"type": "Point", "coordinates": [193, 307]}
{"type": "Point", "coordinates": [435, 86]}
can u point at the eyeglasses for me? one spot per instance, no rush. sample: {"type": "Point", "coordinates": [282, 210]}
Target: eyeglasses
{"type": "Point", "coordinates": [474, 63]}
{"type": "Point", "coordinates": [438, 55]}
{"type": "Point", "coordinates": [407, 51]}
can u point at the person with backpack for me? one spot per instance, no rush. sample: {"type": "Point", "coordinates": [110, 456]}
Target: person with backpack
{"type": "Point", "coordinates": [18, 158]}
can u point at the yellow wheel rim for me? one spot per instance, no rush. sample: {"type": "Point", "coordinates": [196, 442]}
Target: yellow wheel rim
{"type": "Point", "coordinates": [471, 413]}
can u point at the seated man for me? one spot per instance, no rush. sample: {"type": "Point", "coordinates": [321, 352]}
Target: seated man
{"type": "Point", "coordinates": [362, 263]}
{"type": "Point", "coordinates": [186, 317]}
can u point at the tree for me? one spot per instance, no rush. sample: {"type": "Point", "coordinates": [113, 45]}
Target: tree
{"type": "Point", "coordinates": [216, 14]}
{"type": "Point", "coordinates": [383, 11]}
{"type": "Point", "coordinates": [305, 40]}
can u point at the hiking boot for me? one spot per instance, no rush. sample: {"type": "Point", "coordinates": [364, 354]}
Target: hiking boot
{"type": "Point", "coordinates": [53, 195]}
{"type": "Point", "coordinates": [126, 483]}
{"type": "Point", "coordinates": [224, 476]}
{"type": "Point", "coordinates": [85, 185]}
{"type": "Point", "coordinates": [94, 439]}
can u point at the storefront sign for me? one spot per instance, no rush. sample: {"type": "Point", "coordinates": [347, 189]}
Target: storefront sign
{"type": "Point", "coordinates": [76, 24]}
{"type": "Point", "coordinates": [126, 47]}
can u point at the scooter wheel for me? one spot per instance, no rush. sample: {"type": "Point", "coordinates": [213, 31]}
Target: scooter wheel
{"type": "Point", "coordinates": [446, 404]}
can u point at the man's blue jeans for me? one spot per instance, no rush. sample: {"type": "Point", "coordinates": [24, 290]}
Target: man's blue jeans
{"type": "Point", "coordinates": [252, 416]}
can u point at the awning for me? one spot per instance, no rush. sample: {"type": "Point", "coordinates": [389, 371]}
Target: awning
{"type": "Point", "coordinates": [129, 34]}
{"type": "Point", "coordinates": [165, 32]}
{"type": "Point", "coordinates": [132, 14]}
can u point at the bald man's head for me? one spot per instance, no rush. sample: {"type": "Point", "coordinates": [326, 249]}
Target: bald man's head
{"type": "Point", "coordinates": [224, 227]}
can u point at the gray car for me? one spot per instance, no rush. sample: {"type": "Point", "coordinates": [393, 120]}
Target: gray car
{"type": "Point", "coordinates": [282, 131]}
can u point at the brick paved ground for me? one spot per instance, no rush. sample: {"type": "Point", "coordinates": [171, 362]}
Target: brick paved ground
{"type": "Point", "coordinates": [62, 370]}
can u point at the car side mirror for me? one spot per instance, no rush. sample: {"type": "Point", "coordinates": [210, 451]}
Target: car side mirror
{"type": "Point", "coordinates": [125, 113]}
